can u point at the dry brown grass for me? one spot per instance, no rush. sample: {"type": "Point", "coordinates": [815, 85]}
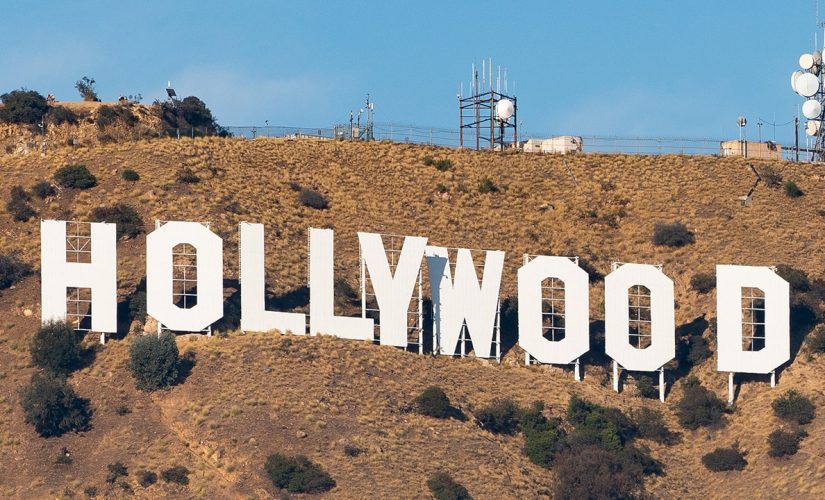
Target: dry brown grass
{"type": "Point", "coordinates": [250, 394]}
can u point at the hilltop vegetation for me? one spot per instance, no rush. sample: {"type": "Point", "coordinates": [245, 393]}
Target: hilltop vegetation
{"type": "Point", "coordinates": [351, 418]}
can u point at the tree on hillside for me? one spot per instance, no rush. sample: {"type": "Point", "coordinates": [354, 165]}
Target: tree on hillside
{"type": "Point", "coordinates": [86, 87]}
{"type": "Point", "coordinates": [23, 107]}
{"type": "Point", "coordinates": [190, 113]}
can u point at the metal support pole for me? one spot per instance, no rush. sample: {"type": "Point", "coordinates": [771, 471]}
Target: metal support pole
{"type": "Point", "coordinates": [662, 384]}
{"type": "Point", "coordinates": [102, 338]}
{"type": "Point", "coordinates": [615, 376]}
{"type": "Point", "coordinates": [773, 379]}
{"type": "Point", "coordinates": [577, 374]}
{"type": "Point", "coordinates": [730, 388]}
{"type": "Point", "coordinates": [363, 287]}
{"type": "Point", "coordinates": [498, 331]}
{"type": "Point", "coordinates": [420, 314]}
{"type": "Point", "coordinates": [527, 358]}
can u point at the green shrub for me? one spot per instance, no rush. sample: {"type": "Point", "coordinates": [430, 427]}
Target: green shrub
{"type": "Point", "coordinates": [130, 175]}
{"type": "Point", "coordinates": [698, 407]}
{"type": "Point", "coordinates": [52, 406]}
{"type": "Point", "coordinates": [444, 487]}
{"type": "Point", "coordinates": [608, 426]}
{"type": "Point", "coordinates": [672, 235]}
{"type": "Point", "coordinates": [59, 115]}
{"type": "Point", "coordinates": [43, 190]}
{"type": "Point", "coordinates": [56, 347]}
{"type": "Point", "coordinates": [724, 459]}
{"type": "Point", "coordinates": [86, 88]}
{"type": "Point", "coordinates": [351, 450]}
{"type": "Point", "coordinates": [20, 210]}
{"type": "Point", "coordinates": [441, 188]}
{"type": "Point", "coordinates": [433, 402]}
{"type": "Point", "coordinates": [115, 471]}
{"type": "Point", "coordinates": [792, 190]}
{"type": "Point", "coordinates": [794, 407]}
{"type": "Point", "coordinates": [177, 475]}
{"type": "Point", "coordinates": [500, 417]}
{"type": "Point", "coordinates": [297, 474]}
{"type": "Point", "coordinates": [652, 426]}
{"type": "Point", "coordinates": [190, 112]}
{"type": "Point", "coordinates": [22, 106]}
{"type": "Point", "coordinates": [442, 165]}
{"type": "Point", "coordinates": [154, 361]}
{"type": "Point", "coordinates": [428, 161]}
{"type": "Point", "coordinates": [594, 473]}
{"type": "Point", "coordinates": [646, 388]}
{"type": "Point", "coordinates": [147, 478]}
{"type": "Point", "coordinates": [128, 220]}
{"type": "Point", "coordinates": [816, 339]}
{"type": "Point", "coordinates": [703, 282]}
{"type": "Point", "coordinates": [187, 176]}
{"type": "Point", "coordinates": [11, 270]}
{"type": "Point", "coordinates": [784, 443]}
{"type": "Point", "coordinates": [75, 176]}
{"type": "Point", "coordinates": [137, 306]}
{"type": "Point", "coordinates": [312, 199]}
{"type": "Point", "coordinates": [110, 115]}
{"type": "Point", "coordinates": [542, 443]}
{"type": "Point", "coordinates": [487, 186]}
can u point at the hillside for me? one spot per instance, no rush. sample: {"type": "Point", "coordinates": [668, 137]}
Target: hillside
{"type": "Point", "coordinates": [250, 395]}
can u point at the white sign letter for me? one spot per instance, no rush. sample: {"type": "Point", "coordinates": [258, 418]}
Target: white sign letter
{"type": "Point", "coordinates": [576, 315]}
{"type": "Point", "coordinates": [393, 292]}
{"type": "Point", "coordinates": [729, 283]}
{"type": "Point", "coordinates": [322, 318]}
{"type": "Point", "coordinates": [455, 302]}
{"type": "Point", "coordinates": [254, 316]}
{"type": "Point", "coordinates": [100, 274]}
{"type": "Point", "coordinates": [662, 346]}
{"type": "Point", "coordinates": [159, 272]}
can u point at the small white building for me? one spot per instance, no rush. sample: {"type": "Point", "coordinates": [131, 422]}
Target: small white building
{"type": "Point", "coordinates": [562, 144]}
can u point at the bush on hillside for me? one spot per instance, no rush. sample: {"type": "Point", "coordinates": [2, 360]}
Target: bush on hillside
{"type": "Point", "coordinates": [115, 471]}
{"type": "Point", "coordinates": [110, 115]}
{"type": "Point", "coordinates": [543, 437]}
{"type": "Point", "coordinates": [724, 459]}
{"type": "Point", "coordinates": [797, 278]}
{"type": "Point", "coordinates": [187, 176]}
{"type": "Point", "coordinates": [703, 282]}
{"type": "Point", "coordinates": [433, 402]}
{"type": "Point", "coordinates": [312, 199]}
{"type": "Point", "coordinates": [652, 426]}
{"type": "Point", "coordinates": [608, 426]}
{"type": "Point", "coordinates": [698, 349]}
{"type": "Point", "coordinates": [444, 487]}
{"type": "Point", "coordinates": [499, 417]}
{"type": "Point", "coordinates": [147, 478]}
{"type": "Point", "coordinates": [487, 186]}
{"type": "Point", "coordinates": [189, 113]}
{"type": "Point", "coordinates": [816, 340]}
{"type": "Point", "coordinates": [769, 176]}
{"type": "Point", "coordinates": [792, 190]}
{"type": "Point", "coordinates": [75, 176]}
{"type": "Point", "coordinates": [11, 270]}
{"type": "Point", "coordinates": [86, 88]}
{"type": "Point", "coordinates": [154, 361]}
{"type": "Point", "coordinates": [593, 472]}
{"type": "Point", "coordinates": [22, 106]}
{"type": "Point", "coordinates": [794, 407]}
{"type": "Point", "coordinates": [59, 115]}
{"type": "Point", "coordinates": [43, 190]}
{"type": "Point", "coordinates": [129, 223]}
{"type": "Point", "coordinates": [52, 406]}
{"type": "Point", "coordinates": [18, 206]}
{"type": "Point", "coordinates": [646, 388]}
{"type": "Point", "coordinates": [784, 443]}
{"type": "Point", "coordinates": [177, 475]}
{"type": "Point", "coordinates": [297, 474]}
{"type": "Point", "coordinates": [130, 175]}
{"type": "Point", "coordinates": [56, 347]}
{"type": "Point", "coordinates": [698, 407]}
{"type": "Point", "coordinates": [442, 165]}
{"type": "Point", "coordinates": [672, 235]}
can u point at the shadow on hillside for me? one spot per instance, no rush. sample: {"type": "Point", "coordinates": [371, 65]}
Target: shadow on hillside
{"type": "Point", "coordinates": [132, 307]}
{"type": "Point", "coordinates": [295, 299]}
{"type": "Point", "coordinates": [185, 365]}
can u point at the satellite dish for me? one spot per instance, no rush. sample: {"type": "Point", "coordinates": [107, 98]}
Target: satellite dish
{"type": "Point", "coordinates": [505, 109]}
{"type": "Point", "coordinates": [812, 109]}
{"type": "Point", "coordinates": [817, 55]}
{"type": "Point", "coordinates": [806, 61]}
{"type": "Point", "coordinates": [812, 127]}
{"type": "Point", "coordinates": [794, 76]}
{"type": "Point", "coordinates": [807, 85]}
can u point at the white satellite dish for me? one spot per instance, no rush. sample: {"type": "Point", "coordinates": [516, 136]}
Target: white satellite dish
{"type": "Point", "coordinates": [812, 109]}
{"type": "Point", "coordinates": [812, 127]}
{"type": "Point", "coordinates": [794, 76]}
{"type": "Point", "coordinates": [807, 85]}
{"type": "Point", "coordinates": [806, 61]}
{"type": "Point", "coordinates": [817, 55]}
{"type": "Point", "coordinates": [504, 109]}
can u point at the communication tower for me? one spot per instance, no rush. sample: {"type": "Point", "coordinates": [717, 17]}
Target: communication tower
{"type": "Point", "coordinates": [489, 111]}
{"type": "Point", "coordinates": [808, 82]}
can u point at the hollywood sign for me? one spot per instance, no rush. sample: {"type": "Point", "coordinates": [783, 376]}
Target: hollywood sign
{"type": "Point", "coordinates": [461, 303]}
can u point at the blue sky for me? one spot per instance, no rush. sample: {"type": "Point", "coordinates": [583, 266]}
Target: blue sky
{"type": "Point", "coordinates": [649, 68]}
